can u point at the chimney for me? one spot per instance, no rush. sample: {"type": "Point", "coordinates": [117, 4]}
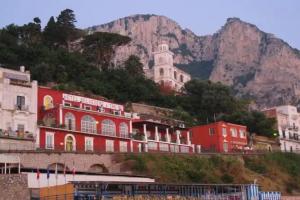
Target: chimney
{"type": "Point", "coordinates": [22, 69]}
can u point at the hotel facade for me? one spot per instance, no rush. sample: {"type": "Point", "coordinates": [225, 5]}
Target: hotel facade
{"type": "Point", "coordinates": [73, 122]}
{"type": "Point", "coordinates": [287, 124]}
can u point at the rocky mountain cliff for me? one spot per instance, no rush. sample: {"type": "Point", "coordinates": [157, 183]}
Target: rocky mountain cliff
{"type": "Point", "coordinates": [256, 64]}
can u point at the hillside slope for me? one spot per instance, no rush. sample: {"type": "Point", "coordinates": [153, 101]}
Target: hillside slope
{"type": "Point", "coordinates": [274, 171]}
{"type": "Point", "coordinates": [257, 64]}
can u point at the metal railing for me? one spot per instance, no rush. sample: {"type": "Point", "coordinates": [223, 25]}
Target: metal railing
{"type": "Point", "coordinates": [16, 134]}
{"type": "Point", "coordinates": [22, 107]}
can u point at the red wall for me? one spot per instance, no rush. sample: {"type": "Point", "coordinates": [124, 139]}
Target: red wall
{"type": "Point", "coordinates": [78, 113]}
{"type": "Point", "coordinates": [99, 140]}
{"type": "Point", "coordinates": [200, 136]}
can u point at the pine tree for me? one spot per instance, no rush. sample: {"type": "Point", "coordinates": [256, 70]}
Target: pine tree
{"type": "Point", "coordinates": [66, 27]}
{"type": "Point", "coordinates": [51, 33]}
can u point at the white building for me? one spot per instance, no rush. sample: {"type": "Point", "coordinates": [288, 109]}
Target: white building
{"type": "Point", "coordinates": [164, 72]}
{"type": "Point", "coordinates": [18, 109]}
{"type": "Point", "coordinates": [288, 124]}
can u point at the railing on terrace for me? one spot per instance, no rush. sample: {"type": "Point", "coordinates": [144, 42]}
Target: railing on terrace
{"type": "Point", "coordinates": [294, 137]}
{"type": "Point", "coordinates": [138, 136]}
{"type": "Point", "coordinates": [22, 107]}
{"type": "Point", "coordinates": [16, 135]}
{"type": "Point", "coordinates": [20, 83]}
{"type": "Point", "coordinates": [99, 110]}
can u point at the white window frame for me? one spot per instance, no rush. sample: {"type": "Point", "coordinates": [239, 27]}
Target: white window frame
{"type": "Point", "coordinates": [224, 133]}
{"type": "Point", "coordinates": [21, 124]}
{"type": "Point", "coordinates": [88, 126]}
{"type": "Point", "coordinates": [242, 133]}
{"type": "Point", "coordinates": [86, 107]}
{"type": "Point", "coordinates": [71, 116]}
{"type": "Point", "coordinates": [51, 134]}
{"type": "Point", "coordinates": [211, 131]}
{"type": "Point", "coordinates": [67, 104]}
{"type": "Point", "coordinates": [108, 127]}
{"type": "Point", "coordinates": [109, 146]}
{"type": "Point", "coordinates": [123, 130]}
{"type": "Point", "coordinates": [233, 132]}
{"type": "Point", "coordinates": [225, 148]}
{"type": "Point", "coordinates": [123, 146]}
{"type": "Point", "coordinates": [91, 140]}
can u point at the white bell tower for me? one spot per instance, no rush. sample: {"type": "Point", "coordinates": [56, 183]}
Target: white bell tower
{"type": "Point", "coordinates": [163, 56]}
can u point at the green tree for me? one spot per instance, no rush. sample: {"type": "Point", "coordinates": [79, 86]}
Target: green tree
{"type": "Point", "coordinates": [31, 33]}
{"type": "Point", "coordinates": [134, 66]}
{"type": "Point", "coordinates": [206, 100]}
{"type": "Point", "coordinates": [50, 32]}
{"type": "Point", "coordinates": [99, 47]}
{"type": "Point", "coordinates": [66, 27]}
{"type": "Point", "coordinates": [255, 121]}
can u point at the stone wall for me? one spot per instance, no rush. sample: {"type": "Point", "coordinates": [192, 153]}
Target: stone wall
{"type": "Point", "coordinates": [14, 186]}
{"type": "Point", "coordinates": [82, 161]}
{"type": "Point", "coordinates": [16, 144]}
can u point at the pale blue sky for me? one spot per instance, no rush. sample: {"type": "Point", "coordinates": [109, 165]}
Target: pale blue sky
{"type": "Point", "coordinates": [280, 17]}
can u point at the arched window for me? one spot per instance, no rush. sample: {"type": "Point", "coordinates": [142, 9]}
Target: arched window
{"type": "Point", "coordinates": [181, 78]}
{"type": "Point", "coordinates": [70, 121]}
{"type": "Point", "coordinates": [123, 130]}
{"type": "Point", "coordinates": [108, 127]}
{"type": "Point", "coordinates": [48, 102]}
{"type": "Point", "coordinates": [175, 75]}
{"type": "Point", "coordinates": [161, 71]}
{"type": "Point", "coordinates": [88, 124]}
{"type": "Point", "coordinates": [70, 143]}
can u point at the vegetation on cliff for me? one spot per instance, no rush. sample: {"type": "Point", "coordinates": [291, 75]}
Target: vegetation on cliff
{"type": "Point", "coordinates": [273, 171]}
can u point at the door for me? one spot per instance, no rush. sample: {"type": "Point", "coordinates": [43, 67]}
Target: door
{"type": "Point", "coordinates": [225, 147]}
{"type": "Point", "coordinates": [69, 143]}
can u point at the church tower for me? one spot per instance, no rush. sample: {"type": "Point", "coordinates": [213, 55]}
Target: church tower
{"type": "Point", "coordinates": [164, 72]}
{"type": "Point", "coordinates": [163, 56]}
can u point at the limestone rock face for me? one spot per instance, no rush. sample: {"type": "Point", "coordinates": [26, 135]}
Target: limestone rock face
{"type": "Point", "coordinates": [256, 64]}
{"type": "Point", "coordinates": [147, 31]}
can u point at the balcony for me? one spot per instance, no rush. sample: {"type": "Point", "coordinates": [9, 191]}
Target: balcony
{"type": "Point", "coordinates": [294, 137]}
{"type": "Point", "coordinates": [295, 128]}
{"type": "Point", "coordinates": [138, 136]}
{"type": "Point", "coordinates": [24, 108]}
{"type": "Point", "coordinates": [20, 83]}
{"type": "Point", "coordinates": [9, 134]}
{"type": "Point", "coordinates": [98, 110]}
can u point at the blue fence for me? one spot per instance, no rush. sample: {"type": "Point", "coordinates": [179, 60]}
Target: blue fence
{"type": "Point", "coordinates": [269, 195]}
{"type": "Point", "coordinates": [253, 193]}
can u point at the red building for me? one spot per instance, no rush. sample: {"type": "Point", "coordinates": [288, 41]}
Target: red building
{"type": "Point", "coordinates": [219, 137]}
{"type": "Point", "coordinates": [72, 122]}
{"type": "Point", "coordinates": [75, 123]}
